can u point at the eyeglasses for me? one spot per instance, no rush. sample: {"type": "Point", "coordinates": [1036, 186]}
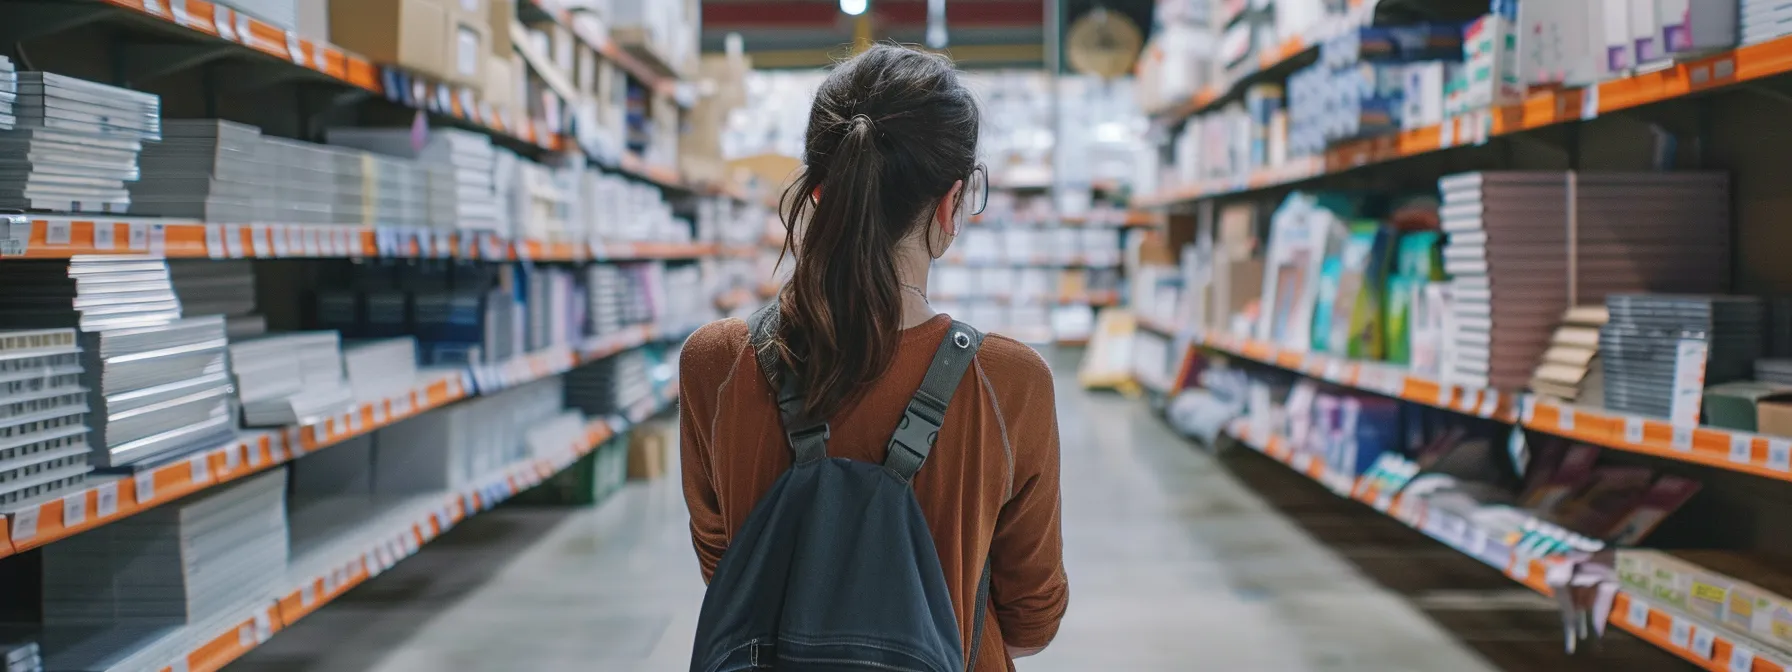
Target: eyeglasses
{"type": "Point", "coordinates": [976, 190]}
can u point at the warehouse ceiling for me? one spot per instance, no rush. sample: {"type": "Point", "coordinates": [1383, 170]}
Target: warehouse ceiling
{"type": "Point", "coordinates": [810, 33]}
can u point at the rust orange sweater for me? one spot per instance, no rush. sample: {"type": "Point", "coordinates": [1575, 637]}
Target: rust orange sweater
{"type": "Point", "coordinates": [988, 490]}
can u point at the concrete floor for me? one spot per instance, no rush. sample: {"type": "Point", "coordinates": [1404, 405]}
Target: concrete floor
{"type": "Point", "coordinates": [1176, 561]}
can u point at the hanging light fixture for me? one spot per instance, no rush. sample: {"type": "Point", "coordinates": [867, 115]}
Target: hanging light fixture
{"type": "Point", "coordinates": [854, 7]}
{"type": "Point", "coordinates": [936, 24]}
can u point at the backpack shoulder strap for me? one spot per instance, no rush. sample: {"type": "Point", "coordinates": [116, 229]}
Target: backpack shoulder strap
{"type": "Point", "coordinates": [920, 425]}
{"type": "Point", "coordinates": [808, 439]}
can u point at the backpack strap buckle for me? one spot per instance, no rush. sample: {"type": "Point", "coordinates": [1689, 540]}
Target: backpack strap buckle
{"type": "Point", "coordinates": [920, 426]}
{"type": "Point", "coordinates": [809, 442]}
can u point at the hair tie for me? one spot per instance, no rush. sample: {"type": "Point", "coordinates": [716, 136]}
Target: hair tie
{"type": "Point", "coordinates": [858, 117]}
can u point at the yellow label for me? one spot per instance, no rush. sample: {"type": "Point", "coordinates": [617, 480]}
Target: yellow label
{"type": "Point", "coordinates": [1708, 592]}
{"type": "Point", "coordinates": [1782, 629]}
{"type": "Point", "coordinates": [1741, 607]}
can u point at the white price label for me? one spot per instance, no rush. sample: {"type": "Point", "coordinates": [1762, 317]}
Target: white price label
{"type": "Point", "coordinates": [294, 49]}
{"type": "Point", "coordinates": [307, 596]}
{"type": "Point", "coordinates": [245, 31]}
{"type": "Point", "coordinates": [261, 241]}
{"type": "Point", "coordinates": [1689, 382]}
{"type": "Point", "coordinates": [1589, 103]}
{"type": "Point", "coordinates": [1565, 418]}
{"type": "Point", "coordinates": [158, 239]}
{"type": "Point", "coordinates": [1445, 394]}
{"type": "Point", "coordinates": [154, 7]}
{"type": "Point", "coordinates": [264, 625]}
{"type": "Point", "coordinates": [1638, 613]}
{"type": "Point", "coordinates": [245, 636]}
{"type": "Point", "coordinates": [221, 21]}
{"type": "Point", "coordinates": [1682, 440]}
{"type": "Point", "coordinates": [1703, 640]}
{"type": "Point", "coordinates": [1490, 403]}
{"type": "Point", "coordinates": [379, 414]}
{"type": "Point", "coordinates": [1633, 430]}
{"type": "Point", "coordinates": [74, 509]}
{"type": "Point", "coordinates": [108, 501]}
{"type": "Point", "coordinates": [24, 524]}
{"type": "Point", "coordinates": [105, 236]}
{"type": "Point", "coordinates": [282, 245]}
{"type": "Point", "coordinates": [198, 469]}
{"type": "Point", "coordinates": [1742, 449]}
{"type": "Point", "coordinates": [354, 420]}
{"type": "Point", "coordinates": [233, 241]}
{"type": "Point", "coordinates": [214, 241]}
{"type": "Point", "coordinates": [137, 236]}
{"type": "Point", "coordinates": [145, 483]}
{"type": "Point", "coordinates": [401, 406]}
{"type": "Point", "coordinates": [232, 456]}
{"type": "Point", "coordinates": [1680, 633]}
{"type": "Point", "coordinates": [1527, 408]}
{"type": "Point", "coordinates": [179, 8]}
{"type": "Point", "coordinates": [1521, 567]}
{"type": "Point", "coordinates": [1742, 658]}
{"type": "Point", "coordinates": [320, 56]}
{"type": "Point", "coordinates": [1779, 454]}
{"type": "Point", "coordinates": [59, 232]}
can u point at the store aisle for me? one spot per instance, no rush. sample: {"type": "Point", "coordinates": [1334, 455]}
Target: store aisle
{"type": "Point", "coordinates": [1174, 566]}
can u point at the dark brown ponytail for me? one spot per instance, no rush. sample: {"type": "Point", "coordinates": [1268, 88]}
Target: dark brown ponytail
{"type": "Point", "coordinates": [890, 131]}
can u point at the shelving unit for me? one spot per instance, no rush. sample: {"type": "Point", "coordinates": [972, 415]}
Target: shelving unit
{"type": "Point", "coordinates": [1248, 198]}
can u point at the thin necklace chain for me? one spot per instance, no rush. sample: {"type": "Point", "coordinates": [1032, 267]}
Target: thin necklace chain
{"type": "Point", "coordinates": [917, 290]}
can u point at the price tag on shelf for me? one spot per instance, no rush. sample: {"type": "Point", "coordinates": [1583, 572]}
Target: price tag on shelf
{"type": "Point", "coordinates": [1742, 658]}
{"type": "Point", "coordinates": [199, 469]}
{"type": "Point", "coordinates": [379, 414]}
{"type": "Point", "coordinates": [320, 57]}
{"type": "Point", "coordinates": [1703, 640]}
{"type": "Point", "coordinates": [1742, 448]}
{"type": "Point", "coordinates": [1689, 382]}
{"type": "Point", "coordinates": [1490, 403]}
{"type": "Point", "coordinates": [1680, 633]}
{"type": "Point", "coordinates": [179, 9]}
{"type": "Point", "coordinates": [1779, 454]}
{"type": "Point", "coordinates": [1527, 408]}
{"type": "Point", "coordinates": [354, 420]}
{"type": "Point", "coordinates": [1633, 430]}
{"type": "Point", "coordinates": [245, 636]}
{"type": "Point", "coordinates": [401, 406]}
{"type": "Point", "coordinates": [145, 486]}
{"type": "Point", "coordinates": [260, 243]}
{"type": "Point", "coordinates": [1638, 613]}
{"type": "Point", "coordinates": [1682, 439]}
{"type": "Point", "coordinates": [1445, 394]}
{"type": "Point", "coordinates": [294, 49]}
{"type": "Point", "coordinates": [233, 241]}
{"type": "Point", "coordinates": [158, 239]}
{"type": "Point", "coordinates": [74, 509]}
{"type": "Point", "coordinates": [59, 233]}
{"type": "Point", "coordinates": [105, 236]}
{"type": "Point", "coordinates": [1565, 418]}
{"type": "Point", "coordinates": [313, 241]}
{"type": "Point", "coordinates": [24, 524]}
{"type": "Point", "coordinates": [154, 7]}
{"type": "Point", "coordinates": [137, 236]}
{"type": "Point", "coordinates": [107, 500]}
{"type": "Point", "coordinates": [231, 458]}
{"type": "Point", "coordinates": [221, 21]}
{"type": "Point", "coordinates": [307, 596]}
{"type": "Point", "coordinates": [253, 455]}
{"type": "Point", "coordinates": [264, 625]}
{"type": "Point", "coordinates": [1589, 103]}
{"type": "Point", "coordinates": [282, 246]}
{"type": "Point", "coordinates": [214, 241]}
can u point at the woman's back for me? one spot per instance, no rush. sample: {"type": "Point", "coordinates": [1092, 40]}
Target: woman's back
{"type": "Point", "coordinates": [994, 467]}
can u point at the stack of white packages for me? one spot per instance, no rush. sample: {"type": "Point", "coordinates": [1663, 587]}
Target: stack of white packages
{"type": "Point", "coordinates": [556, 435]}
{"type": "Point", "coordinates": [20, 653]}
{"type": "Point", "coordinates": [450, 448]}
{"type": "Point", "coordinates": [304, 183]}
{"type": "Point", "coordinates": [380, 369]}
{"type": "Point", "coordinates": [545, 202]}
{"type": "Point", "coordinates": [507, 190]}
{"type": "Point", "coordinates": [220, 287]}
{"type": "Point", "coordinates": [43, 418]}
{"type": "Point", "coordinates": [204, 169]}
{"type": "Point", "coordinates": [124, 592]}
{"type": "Point", "coordinates": [9, 93]}
{"type": "Point", "coordinates": [92, 292]}
{"type": "Point", "coordinates": [74, 144]}
{"type": "Point", "coordinates": [458, 166]}
{"type": "Point", "coordinates": [158, 391]}
{"type": "Point", "coordinates": [290, 378]}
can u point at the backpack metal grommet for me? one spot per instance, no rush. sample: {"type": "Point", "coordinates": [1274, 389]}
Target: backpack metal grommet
{"type": "Point", "coordinates": [961, 339]}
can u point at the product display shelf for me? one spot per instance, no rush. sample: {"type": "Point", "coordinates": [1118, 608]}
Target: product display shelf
{"type": "Point", "coordinates": [1037, 261]}
{"type": "Point", "coordinates": [1127, 219]}
{"type": "Point", "coordinates": [1745, 64]}
{"type": "Point", "coordinates": [1766, 456]}
{"type": "Point", "coordinates": [387, 540]}
{"type": "Point", "coordinates": [1708, 648]}
{"type": "Point", "coordinates": [1211, 96]}
{"type": "Point", "coordinates": [602, 44]}
{"type": "Point", "coordinates": [221, 22]}
{"type": "Point", "coordinates": [105, 501]}
{"type": "Point", "coordinates": [1099, 299]}
{"type": "Point", "coordinates": [63, 236]}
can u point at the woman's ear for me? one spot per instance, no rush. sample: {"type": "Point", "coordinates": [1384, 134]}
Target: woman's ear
{"type": "Point", "coordinates": [946, 213]}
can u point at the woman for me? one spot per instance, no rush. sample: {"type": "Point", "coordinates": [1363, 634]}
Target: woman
{"type": "Point", "coordinates": [890, 151]}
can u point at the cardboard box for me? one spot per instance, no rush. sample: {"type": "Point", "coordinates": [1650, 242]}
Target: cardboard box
{"type": "Point", "coordinates": [647, 448]}
{"type": "Point", "coordinates": [468, 49]}
{"type": "Point", "coordinates": [411, 34]}
{"type": "Point", "coordinates": [314, 20]}
{"type": "Point", "coordinates": [501, 15]}
{"type": "Point", "coordinates": [500, 88]}
{"type": "Point", "coordinates": [1773, 415]}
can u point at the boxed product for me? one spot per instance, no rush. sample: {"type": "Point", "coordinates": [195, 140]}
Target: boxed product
{"type": "Point", "coordinates": [413, 34]}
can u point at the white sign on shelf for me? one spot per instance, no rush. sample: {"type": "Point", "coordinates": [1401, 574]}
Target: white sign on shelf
{"type": "Point", "coordinates": [24, 523]}
{"type": "Point", "coordinates": [179, 9]}
{"type": "Point", "coordinates": [105, 236]}
{"type": "Point", "coordinates": [1742, 658]}
{"type": "Point", "coordinates": [107, 496]}
{"type": "Point", "coordinates": [1633, 430]}
{"type": "Point", "coordinates": [137, 236]}
{"type": "Point", "coordinates": [1703, 640]}
{"type": "Point", "coordinates": [1638, 613]}
{"type": "Point", "coordinates": [74, 509]}
{"type": "Point", "coordinates": [1689, 382]}
{"type": "Point", "coordinates": [158, 239]}
{"type": "Point", "coordinates": [1682, 438]}
{"type": "Point", "coordinates": [1742, 448]}
{"type": "Point", "coordinates": [145, 483]}
{"type": "Point", "coordinates": [199, 469]}
{"type": "Point", "coordinates": [1565, 418]}
{"type": "Point", "coordinates": [1680, 633]}
{"type": "Point", "coordinates": [59, 232]}
{"type": "Point", "coordinates": [233, 241]}
{"type": "Point", "coordinates": [221, 21]}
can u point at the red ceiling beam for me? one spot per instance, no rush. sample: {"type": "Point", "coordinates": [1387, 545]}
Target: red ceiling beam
{"type": "Point", "coordinates": [889, 13]}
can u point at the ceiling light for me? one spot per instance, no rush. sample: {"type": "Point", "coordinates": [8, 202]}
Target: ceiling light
{"type": "Point", "coordinates": [854, 7]}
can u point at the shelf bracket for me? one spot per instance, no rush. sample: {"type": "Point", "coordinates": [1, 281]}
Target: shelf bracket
{"type": "Point", "coordinates": [20, 22]}
{"type": "Point", "coordinates": [144, 62]}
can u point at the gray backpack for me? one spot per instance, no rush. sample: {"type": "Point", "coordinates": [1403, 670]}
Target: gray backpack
{"type": "Point", "coordinates": [835, 569]}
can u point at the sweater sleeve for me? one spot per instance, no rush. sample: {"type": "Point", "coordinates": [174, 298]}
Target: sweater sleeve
{"type": "Point", "coordinates": [707, 359]}
{"type": "Point", "coordinates": [1028, 587]}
